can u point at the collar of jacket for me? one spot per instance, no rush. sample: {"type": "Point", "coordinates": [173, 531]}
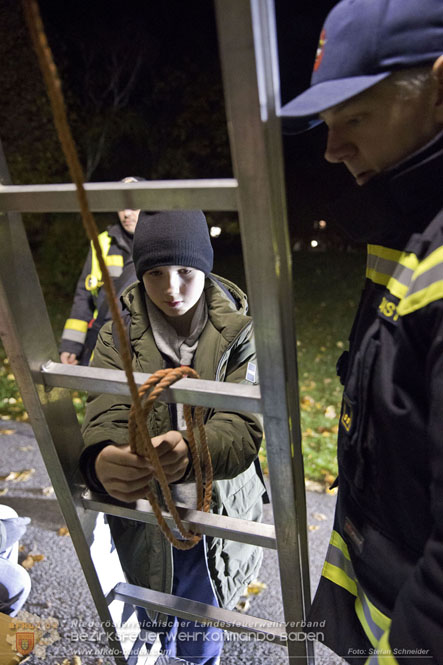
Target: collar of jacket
{"type": "Point", "coordinates": [397, 203]}
{"type": "Point", "coordinates": [121, 237]}
{"type": "Point", "coordinates": [226, 314]}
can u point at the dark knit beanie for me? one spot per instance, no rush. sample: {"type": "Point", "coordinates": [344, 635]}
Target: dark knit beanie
{"type": "Point", "coordinates": [172, 238]}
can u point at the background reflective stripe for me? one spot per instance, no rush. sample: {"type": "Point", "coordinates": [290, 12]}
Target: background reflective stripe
{"type": "Point", "coordinates": [74, 335]}
{"type": "Point", "coordinates": [383, 654]}
{"type": "Point", "coordinates": [114, 260]}
{"type": "Point", "coordinates": [105, 243]}
{"type": "Point", "coordinates": [115, 271]}
{"type": "Point", "coordinates": [77, 324]}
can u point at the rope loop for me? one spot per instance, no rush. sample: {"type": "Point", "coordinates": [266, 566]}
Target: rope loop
{"type": "Point", "coordinates": [141, 444]}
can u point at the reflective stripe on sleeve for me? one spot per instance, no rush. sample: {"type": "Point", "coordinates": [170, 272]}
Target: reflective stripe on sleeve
{"type": "Point", "coordinates": [382, 653]}
{"type": "Point", "coordinates": [426, 285]}
{"type": "Point", "coordinates": [114, 260]}
{"type": "Point", "coordinates": [75, 330]}
{"type": "Point", "coordinates": [115, 271]}
{"type": "Point", "coordinates": [339, 570]}
{"type": "Point", "coordinates": [391, 268]}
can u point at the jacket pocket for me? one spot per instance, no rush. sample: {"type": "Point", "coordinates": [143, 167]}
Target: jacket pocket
{"type": "Point", "coordinates": [355, 444]}
{"type": "Point", "coordinates": [242, 496]}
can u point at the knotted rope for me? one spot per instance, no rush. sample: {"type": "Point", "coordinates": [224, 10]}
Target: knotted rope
{"type": "Point", "coordinates": [138, 411]}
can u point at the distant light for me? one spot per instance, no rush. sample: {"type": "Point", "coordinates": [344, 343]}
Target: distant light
{"type": "Point", "coordinates": [322, 224]}
{"type": "Point", "coordinates": [314, 243]}
{"type": "Point", "coordinates": [215, 231]}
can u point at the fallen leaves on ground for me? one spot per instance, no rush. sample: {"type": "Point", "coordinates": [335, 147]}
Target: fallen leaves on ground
{"type": "Point", "coordinates": [330, 412]}
{"type": "Point", "coordinates": [18, 476]}
{"type": "Point", "coordinates": [63, 531]}
{"type": "Point", "coordinates": [47, 491]}
{"type": "Point", "coordinates": [3, 491]}
{"type": "Point", "coordinates": [307, 402]}
{"type": "Point", "coordinates": [7, 431]}
{"type": "Point", "coordinates": [255, 587]}
{"type": "Point", "coordinates": [31, 559]}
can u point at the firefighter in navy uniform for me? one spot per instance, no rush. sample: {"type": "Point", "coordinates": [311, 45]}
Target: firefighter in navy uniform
{"type": "Point", "coordinates": [90, 309]}
{"type": "Point", "coordinates": [378, 87]}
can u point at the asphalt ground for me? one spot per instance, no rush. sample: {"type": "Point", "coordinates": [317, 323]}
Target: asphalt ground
{"type": "Point", "coordinates": [60, 598]}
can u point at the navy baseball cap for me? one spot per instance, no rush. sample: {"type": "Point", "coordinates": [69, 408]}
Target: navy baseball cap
{"type": "Point", "coordinates": [364, 41]}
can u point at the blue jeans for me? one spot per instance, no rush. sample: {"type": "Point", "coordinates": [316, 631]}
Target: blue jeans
{"type": "Point", "coordinates": [181, 638]}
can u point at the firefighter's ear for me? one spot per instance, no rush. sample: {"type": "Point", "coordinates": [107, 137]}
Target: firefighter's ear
{"type": "Point", "coordinates": [437, 71]}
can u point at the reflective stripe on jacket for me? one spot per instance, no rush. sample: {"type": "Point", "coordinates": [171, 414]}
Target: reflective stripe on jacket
{"type": "Point", "coordinates": [381, 591]}
{"type": "Point", "coordinates": [116, 247]}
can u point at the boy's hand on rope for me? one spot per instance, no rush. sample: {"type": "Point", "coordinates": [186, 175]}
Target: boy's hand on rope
{"type": "Point", "coordinates": [126, 476]}
{"type": "Point", "coordinates": [173, 453]}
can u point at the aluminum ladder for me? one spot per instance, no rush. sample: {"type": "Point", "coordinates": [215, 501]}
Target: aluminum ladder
{"type": "Point", "coordinates": [248, 51]}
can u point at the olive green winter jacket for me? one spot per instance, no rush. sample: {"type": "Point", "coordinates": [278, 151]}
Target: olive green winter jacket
{"type": "Point", "coordinates": [224, 351]}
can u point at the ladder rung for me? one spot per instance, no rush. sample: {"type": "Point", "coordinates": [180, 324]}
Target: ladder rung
{"type": "Point", "coordinates": [265, 630]}
{"type": "Point", "coordinates": [218, 526]}
{"type": "Point", "coordinates": [238, 396]}
{"type": "Point", "coordinates": [215, 194]}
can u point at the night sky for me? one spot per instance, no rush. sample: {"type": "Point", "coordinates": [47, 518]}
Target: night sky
{"type": "Point", "coordinates": [172, 124]}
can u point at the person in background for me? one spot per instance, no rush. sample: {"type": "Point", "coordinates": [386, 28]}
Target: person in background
{"type": "Point", "coordinates": [378, 87]}
{"type": "Point", "coordinates": [90, 309]}
{"type": "Point", "coordinates": [15, 583]}
{"type": "Point", "coordinates": [180, 314]}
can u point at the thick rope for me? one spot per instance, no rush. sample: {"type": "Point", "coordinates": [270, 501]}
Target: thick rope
{"type": "Point", "coordinates": [54, 89]}
{"type": "Point", "coordinates": [149, 392]}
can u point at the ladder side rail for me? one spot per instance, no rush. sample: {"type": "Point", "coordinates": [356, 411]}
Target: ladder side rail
{"type": "Point", "coordinates": [54, 421]}
{"type": "Point", "coordinates": [27, 336]}
{"type": "Point", "coordinates": [256, 149]}
{"type": "Point", "coordinates": [216, 194]}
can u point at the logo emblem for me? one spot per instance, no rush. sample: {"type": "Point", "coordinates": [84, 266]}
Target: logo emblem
{"type": "Point", "coordinates": [24, 643]}
{"type": "Point", "coordinates": [320, 48]}
{"type": "Point", "coordinates": [92, 283]}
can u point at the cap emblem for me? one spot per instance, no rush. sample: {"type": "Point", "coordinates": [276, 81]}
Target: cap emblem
{"type": "Point", "coordinates": [320, 48]}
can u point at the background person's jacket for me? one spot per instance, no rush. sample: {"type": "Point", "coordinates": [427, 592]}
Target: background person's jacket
{"type": "Point", "coordinates": [381, 591]}
{"type": "Point", "coordinates": [225, 352]}
{"type": "Point", "coordinates": [90, 309]}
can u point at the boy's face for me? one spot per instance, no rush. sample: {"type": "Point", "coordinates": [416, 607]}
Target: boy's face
{"type": "Point", "coordinates": [378, 128]}
{"type": "Point", "coordinates": [174, 289]}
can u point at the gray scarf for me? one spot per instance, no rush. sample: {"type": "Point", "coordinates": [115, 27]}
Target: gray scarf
{"type": "Point", "coordinates": [180, 350]}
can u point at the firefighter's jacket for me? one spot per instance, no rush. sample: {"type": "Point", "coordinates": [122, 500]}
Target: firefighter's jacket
{"type": "Point", "coordinates": [381, 591]}
{"type": "Point", "coordinates": [90, 297]}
